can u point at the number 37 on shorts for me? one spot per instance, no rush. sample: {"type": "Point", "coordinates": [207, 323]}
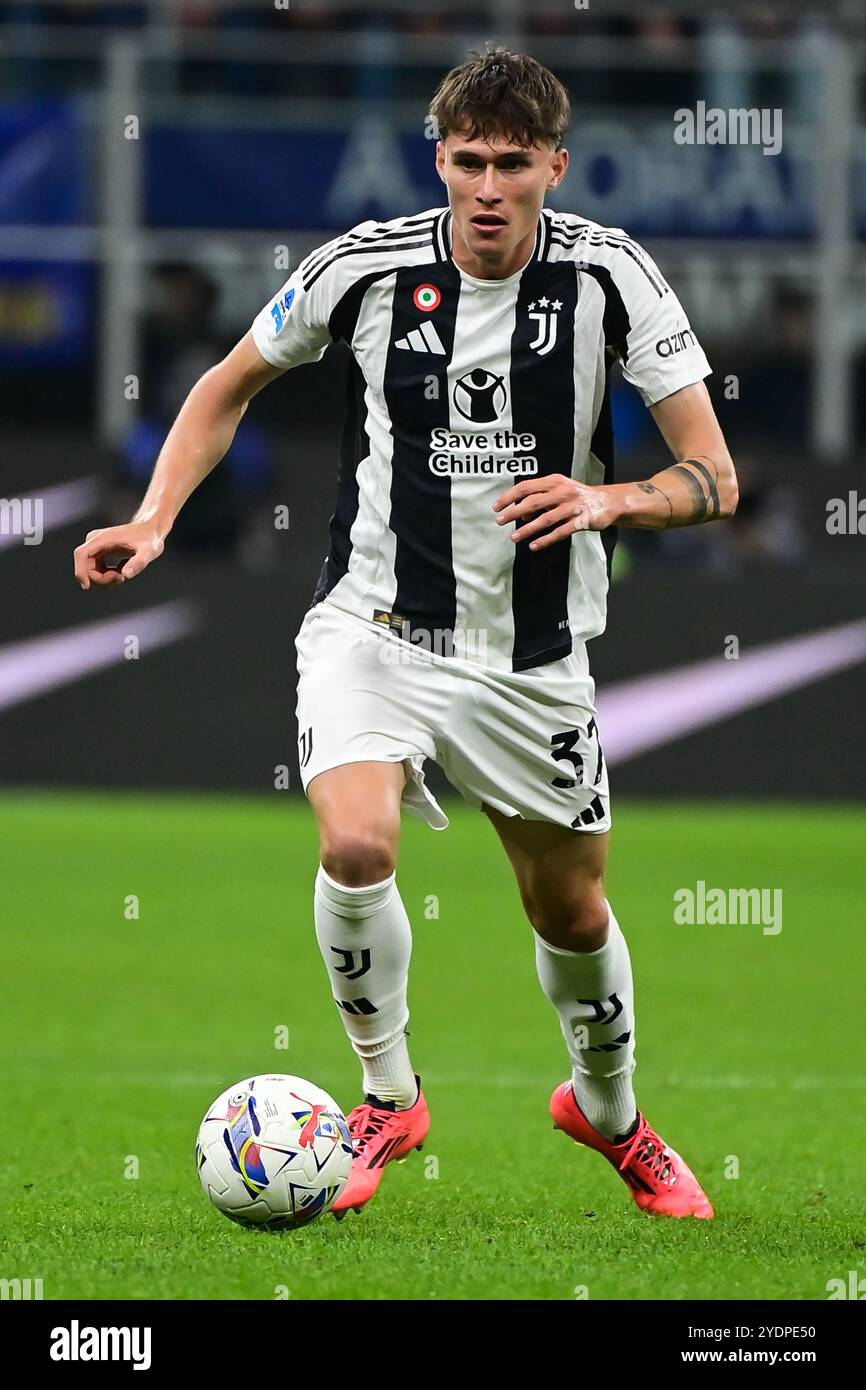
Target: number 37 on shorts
{"type": "Point", "coordinates": [581, 769]}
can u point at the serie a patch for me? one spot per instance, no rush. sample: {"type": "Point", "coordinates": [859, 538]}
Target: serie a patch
{"type": "Point", "coordinates": [394, 621]}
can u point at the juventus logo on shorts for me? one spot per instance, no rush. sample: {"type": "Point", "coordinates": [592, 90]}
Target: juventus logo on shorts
{"type": "Point", "coordinates": [305, 746]}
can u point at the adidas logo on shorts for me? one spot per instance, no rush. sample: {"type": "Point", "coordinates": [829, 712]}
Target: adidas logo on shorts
{"type": "Point", "coordinates": [593, 813]}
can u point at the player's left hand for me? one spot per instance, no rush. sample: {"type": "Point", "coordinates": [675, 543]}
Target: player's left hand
{"type": "Point", "coordinates": [558, 502]}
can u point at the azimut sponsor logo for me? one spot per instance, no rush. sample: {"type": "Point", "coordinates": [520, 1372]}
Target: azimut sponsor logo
{"type": "Point", "coordinates": [677, 342]}
{"type": "Point", "coordinates": [502, 451]}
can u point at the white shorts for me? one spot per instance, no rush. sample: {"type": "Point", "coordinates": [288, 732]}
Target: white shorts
{"type": "Point", "coordinates": [523, 743]}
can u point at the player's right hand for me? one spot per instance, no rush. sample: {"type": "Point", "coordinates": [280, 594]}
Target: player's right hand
{"type": "Point", "coordinates": [116, 553]}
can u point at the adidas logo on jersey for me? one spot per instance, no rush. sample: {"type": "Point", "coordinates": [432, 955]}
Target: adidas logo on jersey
{"type": "Point", "coordinates": [422, 339]}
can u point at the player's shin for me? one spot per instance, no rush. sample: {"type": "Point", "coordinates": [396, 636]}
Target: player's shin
{"type": "Point", "coordinates": [593, 994]}
{"type": "Point", "coordinates": [366, 943]}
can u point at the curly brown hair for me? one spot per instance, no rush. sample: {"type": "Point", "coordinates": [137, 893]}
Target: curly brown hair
{"type": "Point", "coordinates": [502, 94]}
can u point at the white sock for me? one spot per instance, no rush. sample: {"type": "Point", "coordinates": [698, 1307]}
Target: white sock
{"type": "Point", "coordinates": [593, 994]}
{"type": "Point", "coordinates": [366, 942]}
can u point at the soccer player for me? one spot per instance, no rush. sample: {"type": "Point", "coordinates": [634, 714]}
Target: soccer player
{"type": "Point", "coordinates": [468, 567]}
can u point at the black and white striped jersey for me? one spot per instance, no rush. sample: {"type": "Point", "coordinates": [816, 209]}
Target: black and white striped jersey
{"type": "Point", "coordinates": [460, 388]}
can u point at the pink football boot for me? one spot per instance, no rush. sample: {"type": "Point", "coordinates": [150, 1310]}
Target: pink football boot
{"type": "Point", "coordinates": [660, 1180]}
{"type": "Point", "coordinates": [380, 1135]}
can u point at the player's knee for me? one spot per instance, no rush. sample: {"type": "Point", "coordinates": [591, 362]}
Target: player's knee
{"type": "Point", "coordinates": [356, 857]}
{"type": "Point", "coordinates": [578, 923]}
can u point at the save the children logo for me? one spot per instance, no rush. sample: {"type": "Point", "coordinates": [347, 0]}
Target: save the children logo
{"type": "Point", "coordinates": [480, 396]}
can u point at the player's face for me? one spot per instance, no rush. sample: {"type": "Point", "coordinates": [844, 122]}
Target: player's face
{"type": "Point", "coordinates": [496, 191]}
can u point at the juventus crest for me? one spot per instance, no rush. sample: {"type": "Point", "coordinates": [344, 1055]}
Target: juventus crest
{"type": "Point", "coordinates": [545, 312]}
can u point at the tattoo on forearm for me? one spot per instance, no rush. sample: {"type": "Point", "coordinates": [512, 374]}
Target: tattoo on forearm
{"type": "Point", "coordinates": [699, 498]}
{"type": "Point", "coordinates": [711, 480]}
{"type": "Point", "coordinates": [649, 487]}
{"type": "Point", "coordinates": [703, 493]}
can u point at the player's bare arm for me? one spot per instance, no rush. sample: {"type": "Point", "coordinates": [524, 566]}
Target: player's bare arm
{"type": "Point", "coordinates": [200, 436]}
{"type": "Point", "coordinates": [700, 486]}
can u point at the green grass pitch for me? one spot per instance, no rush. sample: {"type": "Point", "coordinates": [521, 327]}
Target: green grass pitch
{"type": "Point", "coordinates": [117, 1034]}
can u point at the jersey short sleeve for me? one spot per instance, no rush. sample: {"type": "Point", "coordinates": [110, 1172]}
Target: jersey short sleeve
{"type": "Point", "coordinates": [660, 353]}
{"type": "Point", "coordinates": [292, 328]}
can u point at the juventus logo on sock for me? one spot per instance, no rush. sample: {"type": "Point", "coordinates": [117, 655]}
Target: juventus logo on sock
{"type": "Point", "coordinates": [606, 1011]}
{"type": "Point", "coordinates": [600, 1006]}
{"type": "Point", "coordinates": [349, 962]}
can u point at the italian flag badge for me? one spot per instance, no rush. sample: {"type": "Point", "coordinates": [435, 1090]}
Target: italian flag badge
{"type": "Point", "coordinates": [427, 297]}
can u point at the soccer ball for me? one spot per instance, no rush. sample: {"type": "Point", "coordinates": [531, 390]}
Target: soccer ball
{"type": "Point", "coordinates": [274, 1151]}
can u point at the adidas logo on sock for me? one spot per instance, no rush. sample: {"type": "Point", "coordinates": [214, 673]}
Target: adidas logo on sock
{"type": "Point", "coordinates": [422, 339]}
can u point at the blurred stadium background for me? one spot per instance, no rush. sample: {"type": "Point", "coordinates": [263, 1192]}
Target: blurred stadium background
{"type": "Point", "coordinates": [155, 161]}
{"type": "Point", "coordinates": [160, 165]}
